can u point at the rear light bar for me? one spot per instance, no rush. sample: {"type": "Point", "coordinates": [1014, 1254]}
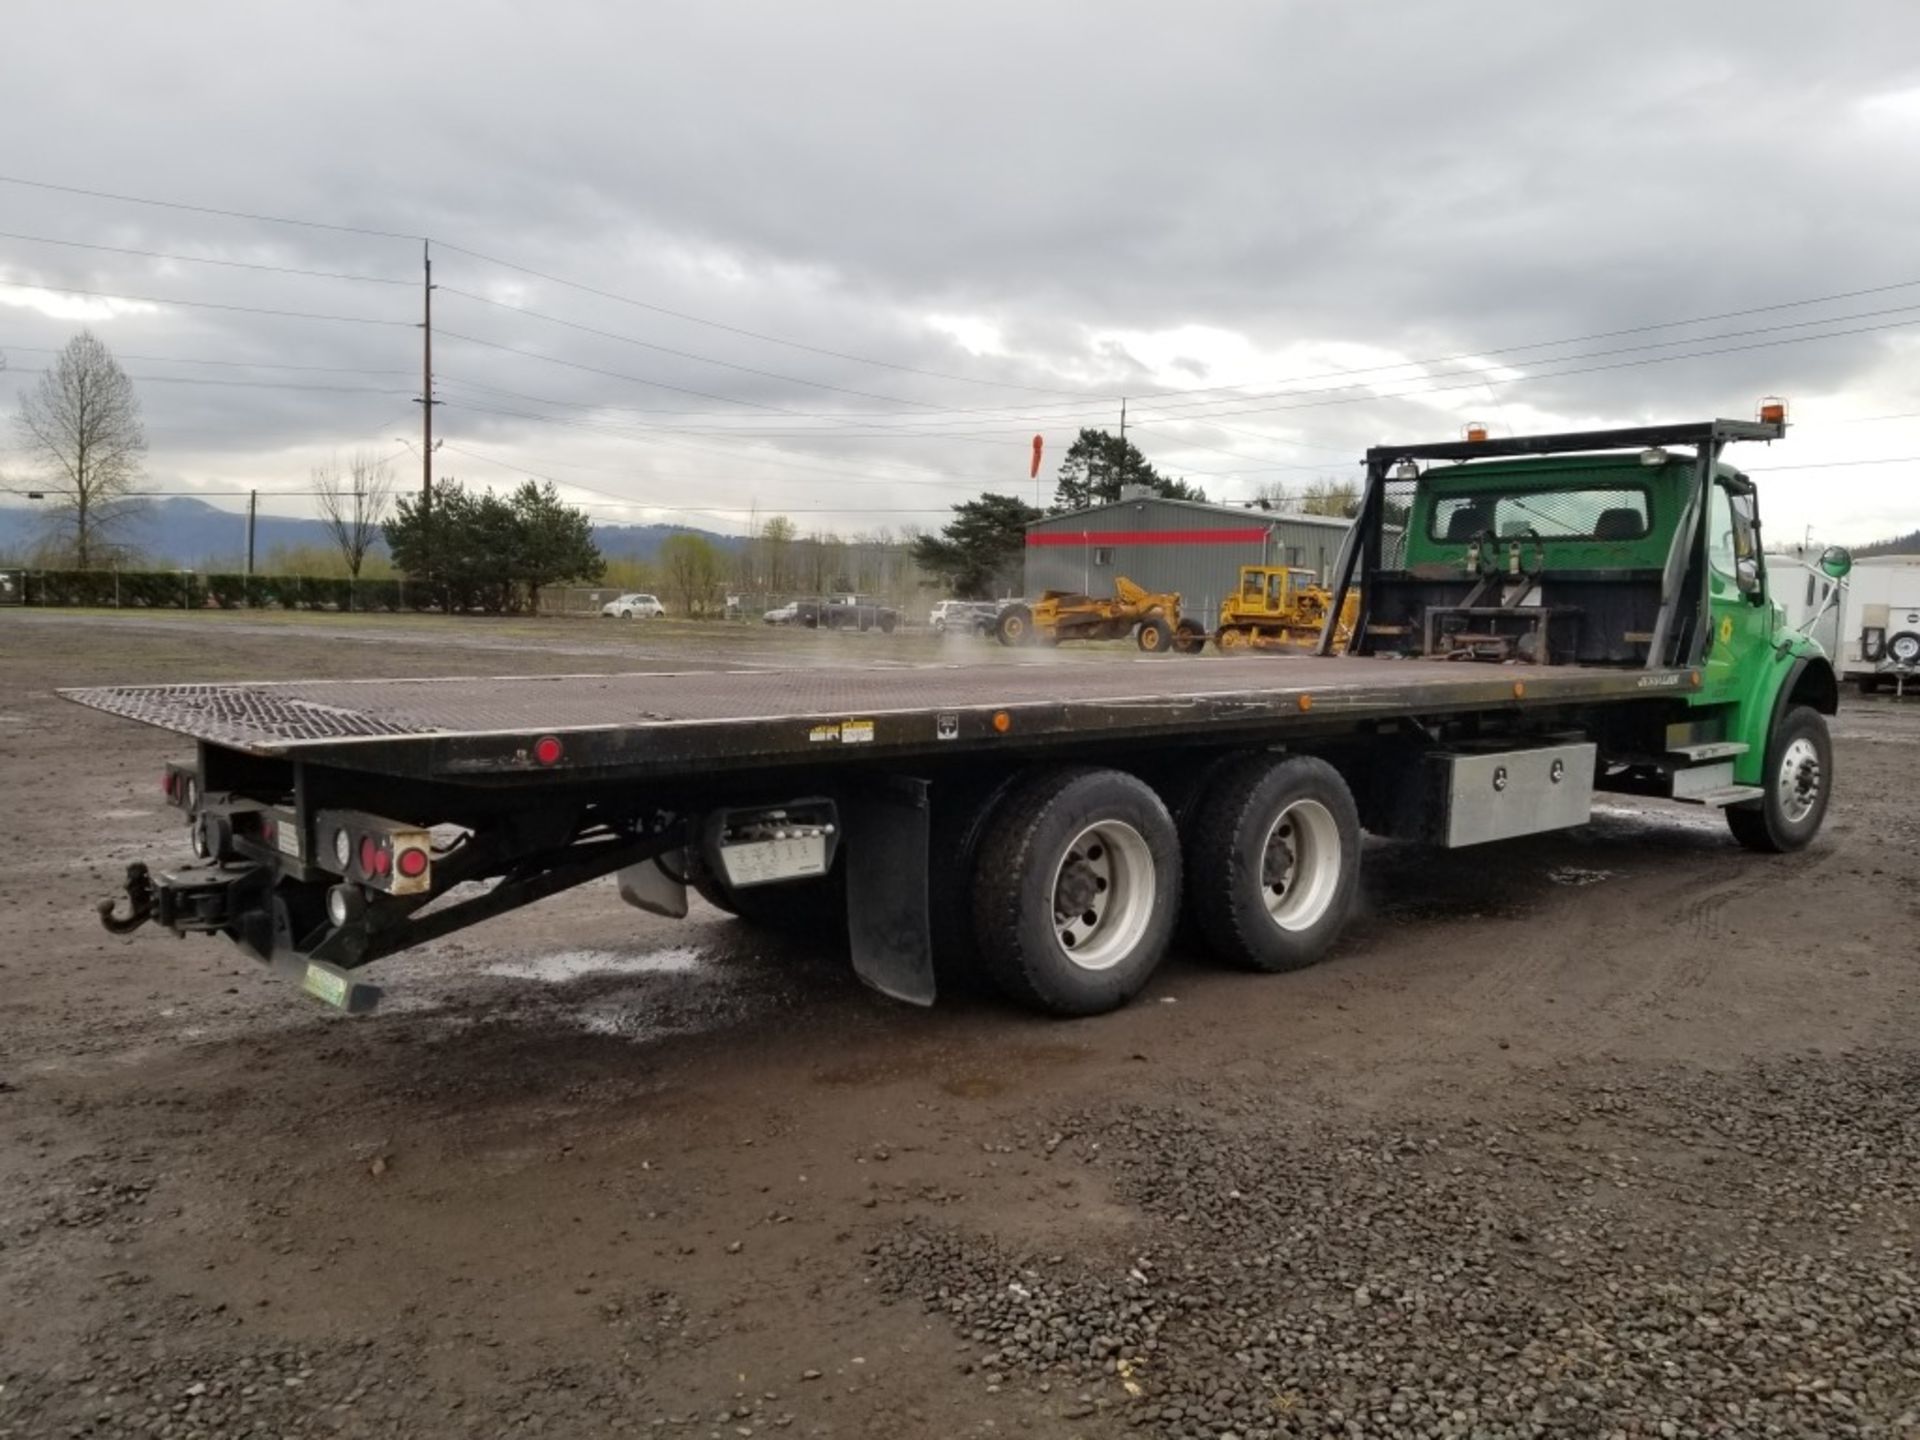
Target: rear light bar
{"type": "Point", "coordinates": [389, 856]}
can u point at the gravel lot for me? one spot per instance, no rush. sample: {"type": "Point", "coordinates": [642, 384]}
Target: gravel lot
{"type": "Point", "coordinates": [1608, 1134]}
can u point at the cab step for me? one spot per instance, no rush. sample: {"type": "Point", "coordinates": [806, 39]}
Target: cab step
{"type": "Point", "coordinates": [1708, 750]}
{"type": "Point", "coordinates": [1723, 796]}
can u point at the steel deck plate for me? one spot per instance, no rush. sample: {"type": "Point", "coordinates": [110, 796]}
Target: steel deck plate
{"type": "Point", "coordinates": [470, 725]}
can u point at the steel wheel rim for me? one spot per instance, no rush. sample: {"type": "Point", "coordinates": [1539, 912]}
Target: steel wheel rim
{"type": "Point", "coordinates": [1799, 780]}
{"type": "Point", "coordinates": [1904, 651]}
{"type": "Point", "coordinates": [1103, 895]}
{"type": "Point", "coordinates": [1149, 638]}
{"type": "Point", "coordinates": [1300, 864]}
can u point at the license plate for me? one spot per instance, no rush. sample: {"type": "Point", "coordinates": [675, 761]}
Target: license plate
{"type": "Point", "coordinates": [761, 862]}
{"type": "Point", "coordinates": [325, 985]}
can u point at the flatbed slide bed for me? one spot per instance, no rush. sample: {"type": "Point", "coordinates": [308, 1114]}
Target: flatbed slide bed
{"type": "Point", "coordinates": [644, 724]}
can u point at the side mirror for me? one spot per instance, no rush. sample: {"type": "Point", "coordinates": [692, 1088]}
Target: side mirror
{"type": "Point", "coordinates": [1746, 574]}
{"type": "Point", "coordinates": [1836, 562]}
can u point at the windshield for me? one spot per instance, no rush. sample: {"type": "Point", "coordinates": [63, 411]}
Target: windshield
{"type": "Point", "coordinates": [1583, 513]}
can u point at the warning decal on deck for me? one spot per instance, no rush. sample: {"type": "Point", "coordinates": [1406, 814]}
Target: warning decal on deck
{"type": "Point", "coordinates": [823, 732]}
{"type": "Point", "coordinates": [856, 732]}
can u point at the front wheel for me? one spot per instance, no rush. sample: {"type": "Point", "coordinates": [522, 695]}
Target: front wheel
{"type": "Point", "coordinates": [1015, 626]}
{"type": "Point", "coordinates": [1273, 862]}
{"type": "Point", "coordinates": [887, 623]}
{"type": "Point", "coordinates": [1075, 890]}
{"type": "Point", "coordinates": [1155, 636]}
{"type": "Point", "coordinates": [1798, 780]}
{"type": "Point", "coordinates": [1189, 637]}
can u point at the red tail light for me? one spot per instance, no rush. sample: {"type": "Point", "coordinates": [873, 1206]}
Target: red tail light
{"type": "Point", "coordinates": [412, 863]}
{"type": "Point", "coordinates": [547, 750]}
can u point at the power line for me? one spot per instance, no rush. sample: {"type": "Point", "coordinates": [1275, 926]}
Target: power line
{"type": "Point", "coordinates": [751, 334]}
{"type": "Point", "coordinates": [611, 374]}
{"type": "Point", "coordinates": [716, 511]}
{"type": "Point", "coordinates": [700, 359]}
{"type": "Point", "coordinates": [208, 260]}
{"type": "Point", "coordinates": [1551, 374]}
{"type": "Point", "coordinates": [236, 384]}
{"type": "Point", "coordinates": [234, 364]}
{"type": "Point", "coordinates": [208, 209]}
{"type": "Point", "coordinates": [57, 289]}
{"type": "Point", "coordinates": [651, 438]}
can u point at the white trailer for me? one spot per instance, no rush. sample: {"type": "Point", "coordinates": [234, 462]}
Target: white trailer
{"type": "Point", "coordinates": [1880, 631]}
{"type": "Point", "coordinates": [1813, 600]}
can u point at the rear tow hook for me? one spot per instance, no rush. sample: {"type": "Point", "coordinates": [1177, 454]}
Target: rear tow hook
{"type": "Point", "coordinates": [139, 903]}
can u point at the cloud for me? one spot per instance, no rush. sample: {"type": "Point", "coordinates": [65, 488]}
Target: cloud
{"type": "Point", "coordinates": [1025, 211]}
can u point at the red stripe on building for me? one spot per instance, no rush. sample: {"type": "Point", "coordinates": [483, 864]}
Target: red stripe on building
{"type": "Point", "coordinates": [1037, 539]}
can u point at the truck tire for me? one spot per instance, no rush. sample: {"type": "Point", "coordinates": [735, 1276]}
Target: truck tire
{"type": "Point", "coordinates": [887, 622]}
{"type": "Point", "coordinates": [1154, 636]}
{"type": "Point", "coordinates": [1798, 780]}
{"type": "Point", "coordinates": [1273, 862]}
{"type": "Point", "coordinates": [1015, 626]}
{"type": "Point", "coordinates": [1904, 648]}
{"type": "Point", "coordinates": [1075, 890]}
{"type": "Point", "coordinates": [1189, 637]}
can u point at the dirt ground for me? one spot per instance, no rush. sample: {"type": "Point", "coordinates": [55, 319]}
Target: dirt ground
{"type": "Point", "coordinates": [1608, 1133]}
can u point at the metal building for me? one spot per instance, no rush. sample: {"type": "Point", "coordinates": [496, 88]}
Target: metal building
{"type": "Point", "coordinates": [1187, 546]}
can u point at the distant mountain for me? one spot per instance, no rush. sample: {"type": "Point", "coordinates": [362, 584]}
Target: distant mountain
{"type": "Point", "coordinates": [181, 531]}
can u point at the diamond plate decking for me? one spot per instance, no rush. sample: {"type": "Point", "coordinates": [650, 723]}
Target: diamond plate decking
{"type": "Point", "coordinates": [467, 724]}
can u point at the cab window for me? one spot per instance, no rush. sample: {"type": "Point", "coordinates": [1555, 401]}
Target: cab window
{"type": "Point", "coordinates": [1733, 538]}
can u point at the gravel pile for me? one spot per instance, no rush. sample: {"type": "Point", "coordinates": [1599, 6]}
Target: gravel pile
{"type": "Point", "coordinates": [1671, 1255]}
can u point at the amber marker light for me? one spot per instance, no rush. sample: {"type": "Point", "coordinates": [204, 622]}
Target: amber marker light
{"type": "Point", "coordinates": [1002, 722]}
{"type": "Point", "coordinates": [1519, 689]}
{"type": "Point", "coordinates": [1305, 702]}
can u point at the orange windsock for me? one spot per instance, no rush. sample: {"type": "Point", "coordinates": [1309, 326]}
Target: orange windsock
{"type": "Point", "coordinates": [1033, 472]}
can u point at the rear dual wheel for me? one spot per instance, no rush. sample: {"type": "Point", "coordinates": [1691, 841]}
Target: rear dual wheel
{"type": "Point", "coordinates": [1273, 861]}
{"type": "Point", "coordinates": [1077, 876]}
{"type": "Point", "coordinates": [1075, 890]}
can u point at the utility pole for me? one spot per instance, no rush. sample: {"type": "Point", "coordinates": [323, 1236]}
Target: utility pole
{"type": "Point", "coordinates": [427, 403]}
{"type": "Point", "coordinates": [1120, 462]}
{"type": "Point", "coordinates": [253, 499]}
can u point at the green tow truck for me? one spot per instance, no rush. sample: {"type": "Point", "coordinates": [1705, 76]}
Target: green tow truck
{"type": "Point", "coordinates": [1533, 619]}
{"type": "Point", "coordinates": [1618, 549]}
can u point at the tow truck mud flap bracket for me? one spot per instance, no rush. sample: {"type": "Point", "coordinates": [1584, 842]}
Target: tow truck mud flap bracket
{"type": "Point", "coordinates": [887, 918]}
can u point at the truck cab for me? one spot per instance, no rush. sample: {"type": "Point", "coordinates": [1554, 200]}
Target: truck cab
{"type": "Point", "coordinates": [1637, 548]}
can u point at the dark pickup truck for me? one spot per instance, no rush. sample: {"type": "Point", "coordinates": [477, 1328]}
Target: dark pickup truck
{"type": "Point", "coordinates": [861, 612]}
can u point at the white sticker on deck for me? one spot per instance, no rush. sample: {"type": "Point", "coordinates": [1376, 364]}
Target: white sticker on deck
{"type": "Point", "coordinates": [856, 732]}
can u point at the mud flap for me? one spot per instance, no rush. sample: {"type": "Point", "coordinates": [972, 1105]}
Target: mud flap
{"type": "Point", "coordinates": [657, 886]}
{"type": "Point", "coordinates": [887, 831]}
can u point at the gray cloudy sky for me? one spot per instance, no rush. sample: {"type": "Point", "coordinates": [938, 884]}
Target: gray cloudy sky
{"type": "Point", "coordinates": [1025, 211]}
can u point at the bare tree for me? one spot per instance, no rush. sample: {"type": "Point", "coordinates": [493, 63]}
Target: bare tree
{"type": "Point", "coordinates": [81, 426]}
{"type": "Point", "coordinates": [353, 504]}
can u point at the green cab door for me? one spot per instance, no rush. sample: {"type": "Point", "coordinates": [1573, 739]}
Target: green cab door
{"type": "Point", "coordinates": [1742, 618]}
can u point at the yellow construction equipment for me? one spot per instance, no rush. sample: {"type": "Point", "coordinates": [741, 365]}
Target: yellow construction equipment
{"type": "Point", "coordinates": [1153, 620]}
{"type": "Point", "coordinates": [1277, 607]}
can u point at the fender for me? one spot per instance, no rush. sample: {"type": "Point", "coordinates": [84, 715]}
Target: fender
{"type": "Point", "coordinates": [1809, 680]}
